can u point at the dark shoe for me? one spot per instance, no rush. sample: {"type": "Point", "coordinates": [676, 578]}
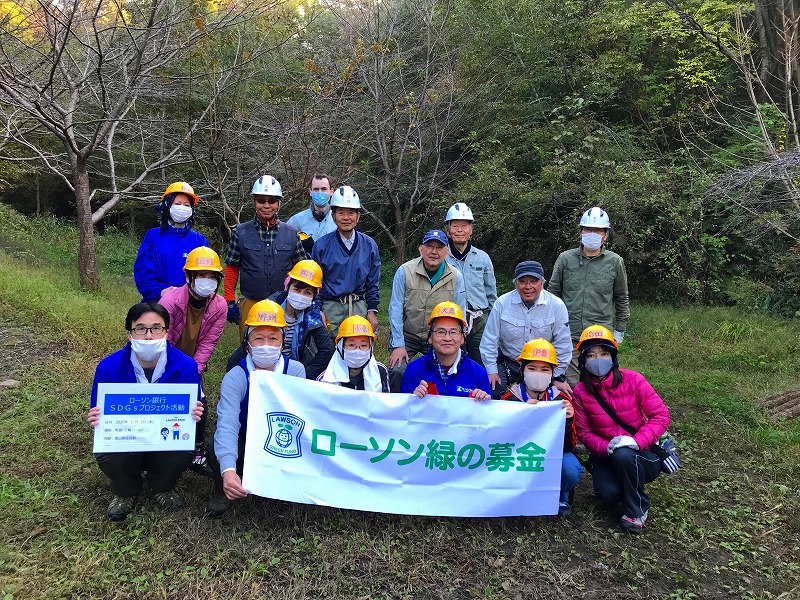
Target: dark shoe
{"type": "Point", "coordinates": [218, 506]}
{"type": "Point", "coordinates": [199, 464]}
{"type": "Point", "coordinates": [169, 500]}
{"type": "Point", "coordinates": [564, 509]}
{"type": "Point", "coordinates": [120, 507]}
{"type": "Point", "coordinates": [633, 524]}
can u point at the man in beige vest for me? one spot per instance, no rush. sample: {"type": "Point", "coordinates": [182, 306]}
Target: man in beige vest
{"type": "Point", "coordinates": [419, 285]}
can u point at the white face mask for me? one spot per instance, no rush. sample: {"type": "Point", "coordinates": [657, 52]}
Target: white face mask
{"type": "Point", "coordinates": [355, 359]}
{"type": "Point", "coordinates": [299, 301]}
{"type": "Point", "coordinates": [591, 241]}
{"type": "Point", "coordinates": [537, 381]}
{"type": "Point", "coordinates": [180, 213]}
{"type": "Point", "coordinates": [204, 287]}
{"type": "Point", "coordinates": [148, 350]}
{"type": "Point", "coordinates": [265, 357]}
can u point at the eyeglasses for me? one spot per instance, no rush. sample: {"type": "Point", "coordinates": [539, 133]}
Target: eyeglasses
{"type": "Point", "coordinates": [141, 330]}
{"type": "Point", "coordinates": [445, 333]}
{"type": "Point", "coordinates": [267, 200]}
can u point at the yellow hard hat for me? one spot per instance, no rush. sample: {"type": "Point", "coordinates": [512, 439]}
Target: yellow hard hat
{"type": "Point", "coordinates": [354, 326]}
{"type": "Point", "coordinates": [539, 349]}
{"type": "Point", "coordinates": [596, 335]}
{"type": "Point", "coordinates": [203, 259]}
{"type": "Point", "coordinates": [181, 187]}
{"type": "Point", "coordinates": [308, 272]}
{"type": "Point", "coordinates": [266, 313]}
{"type": "Point", "coordinates": [448, 309]}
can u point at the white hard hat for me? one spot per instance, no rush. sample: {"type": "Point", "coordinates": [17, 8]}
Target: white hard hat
{"type": "Point", "coordinates": [267, 185]}
{"type": "Point", "coordinates": [459, 212]}
{"type": "Point", "coordinates": [345, 197]}
{"type": "Point", "coordinates": [596, 217]}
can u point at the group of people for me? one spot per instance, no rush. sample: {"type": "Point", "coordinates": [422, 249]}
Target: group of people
{"type": "Point", "coordinates": [307, 307]}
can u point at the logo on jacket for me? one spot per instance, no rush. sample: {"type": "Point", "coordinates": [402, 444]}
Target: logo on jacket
{"type": "Point", "coordinates": [283, 437]}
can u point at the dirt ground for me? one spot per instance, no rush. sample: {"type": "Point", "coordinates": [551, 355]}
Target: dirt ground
{"type": "Point", "coordinates": [785, 405]}
{"type": "Point", "coordinates": [22, 350]}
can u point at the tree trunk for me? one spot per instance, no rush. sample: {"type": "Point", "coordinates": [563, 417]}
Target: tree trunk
{"type": "Point", "coordinates": [87, 258]}
{"type": "Point", "coordinates": [400, 236]}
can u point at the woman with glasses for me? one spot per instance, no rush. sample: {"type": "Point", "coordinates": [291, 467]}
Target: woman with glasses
{"type": "Point", "coordinates": [446, 369]}
{"type": "Point", "coordinates": [158, 267]}
{"type": "Point", "coordinates": [146, 358]}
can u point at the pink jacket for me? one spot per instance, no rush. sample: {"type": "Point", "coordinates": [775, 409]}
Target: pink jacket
{"type": "Point", "coordinates": [176, 301]}
{"type": "Point", "coordinates": [635, 402]}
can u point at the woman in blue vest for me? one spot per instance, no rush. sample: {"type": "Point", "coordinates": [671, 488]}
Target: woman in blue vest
{"type": "Point", "coordinates": [146, 358]}
{"type": "Point", "coordinates": [159, 263]}
{"type": "Point", "coordinates": [264, 330]}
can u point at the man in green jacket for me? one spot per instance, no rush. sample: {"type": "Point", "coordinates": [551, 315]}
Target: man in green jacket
{"type": "Point", "coordinates": [592, 282]}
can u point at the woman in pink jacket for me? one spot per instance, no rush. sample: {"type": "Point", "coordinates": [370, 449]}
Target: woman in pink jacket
{"type": "Point", "coordinates": [196, 319]}
{"type": "Point", "coordinates": [621, 457]}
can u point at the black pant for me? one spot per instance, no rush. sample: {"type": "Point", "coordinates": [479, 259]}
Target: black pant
{"type": "Point", "coordinates": [124, 469]}
{"type": "Point", "coordinates": [213, 463]}
{"type": "Point", "coordinates": [621, 478]}
{"type": "Point", "coordinates": [508, 371]}
{"type": "Point", "coordinates": [413, 348]}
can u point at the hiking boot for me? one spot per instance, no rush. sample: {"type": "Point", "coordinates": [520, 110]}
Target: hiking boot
{"type": "Point", "coordinates": [218, 506]}
{"type": "Point", "coordinates": [170, 500]}
{"type": "Point", "coordinates": [120, 507]}
{"type": "Point", "coordinates": [564, 509]}
{"type": "Point", "coordinates": [633, 524]}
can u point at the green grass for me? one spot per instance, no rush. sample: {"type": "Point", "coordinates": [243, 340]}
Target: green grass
{"type": "Point", "coordinates": [727, 526]}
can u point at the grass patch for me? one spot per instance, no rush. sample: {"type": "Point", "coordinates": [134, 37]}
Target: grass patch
{"type": "Point", "coordinates": [727, 526]}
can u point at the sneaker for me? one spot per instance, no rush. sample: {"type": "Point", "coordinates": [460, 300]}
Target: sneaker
{"type": "Point", "coordinates": [218, 506]}
{"type": "Point", "coordinates": [633, 524]}
{"type": "Point", "coordinates": [169, 500]}
{"type": "Point", "coordinates": [199, 464]}
{"type": "Point", "coordinates": [120, 507]}
{"type": "Point", "coordinates": [564, 509]}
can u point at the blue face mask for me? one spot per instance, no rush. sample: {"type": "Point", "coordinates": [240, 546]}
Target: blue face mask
{"type": "Point", "coordinates": [319, 198]}
{"type": "Point", "coordinates": [599, 367]}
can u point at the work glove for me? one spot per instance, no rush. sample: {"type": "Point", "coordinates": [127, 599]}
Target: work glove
{"type": "Point", "coordinates": [612, 445]}
{"type": "Point", "coordinates": [618, 336]}
{"type": "Point", "coordinates": [233, 312]}
{"type": "Point", "coordinates": [626, 441]}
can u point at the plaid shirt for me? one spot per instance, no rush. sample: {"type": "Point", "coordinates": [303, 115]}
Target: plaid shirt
{"type": "Point", "coordinates": [267, 234]}
{"type": "Point", "coordinates": [454, 368]}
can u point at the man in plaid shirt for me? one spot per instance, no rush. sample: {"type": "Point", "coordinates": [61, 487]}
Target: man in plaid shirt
{"type": "Point", "coordinates": [261, 251]}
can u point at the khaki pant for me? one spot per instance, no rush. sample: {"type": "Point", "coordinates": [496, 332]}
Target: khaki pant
{"type": "Point", "coordinates": [245, 304]}
{"type": "Point", "coordinates": [336, 312]}
{"type": "Point", "coordinates": [573, 375]}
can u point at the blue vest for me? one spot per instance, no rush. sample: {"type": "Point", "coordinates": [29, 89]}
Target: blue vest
{"type": "Point", "coordinates": [243, 407]}
{"type": "Point", "coordinates": [262, 269]}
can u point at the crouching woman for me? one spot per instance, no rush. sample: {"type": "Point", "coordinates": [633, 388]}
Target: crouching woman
{"type": "Point", "coordinates": [618, 416]}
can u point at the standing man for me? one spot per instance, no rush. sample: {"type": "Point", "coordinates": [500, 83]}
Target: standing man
{"type": "Point", "coordinates": [351, 265]}
{"type": "Point", "coordinates": [263, 251]}
{"type": "Point", "coordinates": [592, 283]}
{"type": "Point", "coordinates": [316, 221]}
{"type": "Point", "coordinates": [523, 314]}
{"type": "Point", "coordinates": [419, 285]}
{"type": "Point", "coordinates": [478, 271]}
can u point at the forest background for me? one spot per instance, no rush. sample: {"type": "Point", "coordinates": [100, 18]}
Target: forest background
{"type": "Point", "coordinates": [679, 118]}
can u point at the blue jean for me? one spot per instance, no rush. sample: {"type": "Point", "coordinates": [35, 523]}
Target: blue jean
{"type": "Point", "coordinates": [571, 470]}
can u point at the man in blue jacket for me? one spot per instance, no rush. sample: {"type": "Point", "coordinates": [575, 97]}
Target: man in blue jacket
{"type": "Point", "coordinates": [146, 358]}
{"type": "Point", "coordinates": [351, 264]}
{"type": "Point", "coordinates": [317, 220]}
{"type": "Point", "coordinates": [446, 370]}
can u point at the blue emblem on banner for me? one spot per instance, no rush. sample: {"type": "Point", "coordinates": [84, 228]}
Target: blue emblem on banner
{"type": "Point", "coordinates": [283, 438]}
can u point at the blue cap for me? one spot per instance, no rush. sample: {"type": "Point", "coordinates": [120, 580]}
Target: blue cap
{"type": "Point", "coordinates": [435, 234]}
{"type": "Point", "coordinates": [529, 267]}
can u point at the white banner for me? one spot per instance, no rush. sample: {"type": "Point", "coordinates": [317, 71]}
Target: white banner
{"type": "Point", "coordinates": [317, 443]}
{"type": "Point", "coordinates": [145, 417]}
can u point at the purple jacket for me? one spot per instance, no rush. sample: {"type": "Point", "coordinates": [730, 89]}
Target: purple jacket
{"type": "Point", "coordinates": [635, 402]}
{"type": "Point", "coordinates": [176, 302]}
